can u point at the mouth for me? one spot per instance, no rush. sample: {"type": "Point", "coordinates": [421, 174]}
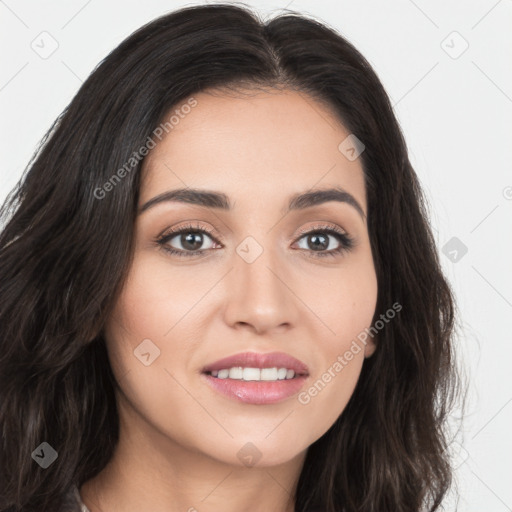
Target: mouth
{"type": "Point", "coordinates": [250, 362]}
{"type": "Point", "coordinates": [257, 378]}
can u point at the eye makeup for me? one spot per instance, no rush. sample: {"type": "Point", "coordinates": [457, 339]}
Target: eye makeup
{"type": "Point", "coordinates": [320, 231]}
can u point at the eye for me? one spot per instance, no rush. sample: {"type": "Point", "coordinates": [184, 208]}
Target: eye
{"type": "Point", "coordinates": [186, 241]}
{"type": "Point", "coordinates": [189, 240]}
{"type": "Point", "coordinates": [318, 240]}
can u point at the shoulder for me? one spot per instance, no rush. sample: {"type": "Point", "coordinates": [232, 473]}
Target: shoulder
{"type": "Point", "coordinates": [78, 500]}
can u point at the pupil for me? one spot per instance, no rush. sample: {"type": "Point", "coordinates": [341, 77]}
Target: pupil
{"type": "Point", "coordinates": [316, 245]}
{"type": "Point", "coordinates": [192, 241]}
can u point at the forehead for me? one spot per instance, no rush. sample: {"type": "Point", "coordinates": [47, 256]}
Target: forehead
{"type": "Point", "coordinates": [254, 144]}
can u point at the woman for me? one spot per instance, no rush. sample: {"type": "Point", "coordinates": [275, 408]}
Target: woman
{"type": "Point", "coordinates": [220, 290]}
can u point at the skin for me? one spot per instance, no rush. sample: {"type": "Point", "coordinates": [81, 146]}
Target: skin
{"type": "Point", "coordinates": [179, 438]}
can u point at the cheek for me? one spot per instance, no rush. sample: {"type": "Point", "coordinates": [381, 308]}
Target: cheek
{"type": "Point", "coordinates": [343, 301]}
{"type": "Point", "coordinates": [155, 301]}
{"type": "Point", "coordinates": [139, 332]}
{"type": "Point", "coordinates": [145, 352]}
{"type": "Point", "coordinates": [323, 400]}
{"type": "Point", "coordinates": [346, 310]}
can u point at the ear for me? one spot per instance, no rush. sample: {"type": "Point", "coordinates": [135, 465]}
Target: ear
{"type": "Point", "coordinates": [370, 347]}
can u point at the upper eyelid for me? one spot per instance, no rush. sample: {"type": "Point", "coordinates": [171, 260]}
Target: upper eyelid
{"type": "Point", "coordinates": [326, 226]}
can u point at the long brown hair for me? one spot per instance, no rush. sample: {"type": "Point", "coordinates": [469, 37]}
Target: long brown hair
{"type": "Point", "coordinates": [65, 251]}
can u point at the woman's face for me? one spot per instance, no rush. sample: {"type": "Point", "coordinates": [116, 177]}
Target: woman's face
{"type": "Point", "coordinates": [257, 282]}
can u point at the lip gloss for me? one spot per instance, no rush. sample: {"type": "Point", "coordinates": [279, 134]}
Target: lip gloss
{"type": "Point", "coordinates": [256, 392]}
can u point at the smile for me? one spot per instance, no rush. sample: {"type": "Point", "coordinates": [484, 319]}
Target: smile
{"type": "Point", "coordinates": [258, 374]}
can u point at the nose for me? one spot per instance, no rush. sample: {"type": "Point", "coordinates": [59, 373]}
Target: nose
{"type": "Point", "coordinates": [259, 295]}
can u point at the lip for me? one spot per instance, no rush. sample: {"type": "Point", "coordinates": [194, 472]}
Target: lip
{"type": "Point", "coordinates": [258, 392]}
{"type": "Point", "coordinates": [257, 360]}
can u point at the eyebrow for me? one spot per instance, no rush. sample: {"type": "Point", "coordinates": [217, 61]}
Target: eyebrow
{"type": "Point", "coordinates": [219, 200]}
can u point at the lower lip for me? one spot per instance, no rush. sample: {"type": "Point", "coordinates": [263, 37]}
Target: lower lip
{"type": "Point", "coordinates": [257, 392]}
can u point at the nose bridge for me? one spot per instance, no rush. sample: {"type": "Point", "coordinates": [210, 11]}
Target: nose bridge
{"type": "Point", "coordinates": [257, 291]}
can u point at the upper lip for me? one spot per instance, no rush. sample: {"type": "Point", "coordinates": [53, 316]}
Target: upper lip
{"type": "Point", "coordinates": [257, 360]}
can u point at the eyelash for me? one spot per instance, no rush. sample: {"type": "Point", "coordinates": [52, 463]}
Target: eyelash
{"type": "Point", "coordinates": [346, 241]}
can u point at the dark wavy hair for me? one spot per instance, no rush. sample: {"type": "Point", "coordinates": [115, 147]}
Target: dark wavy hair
{"type": "Point", "coordinates": [64, 256]}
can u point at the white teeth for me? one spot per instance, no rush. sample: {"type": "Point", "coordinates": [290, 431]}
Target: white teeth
{"type": "Point", "coordinates": [281, 373]}
{"type": "Point", "coordinates": [236, 373]}
{"type": "Point", "coordinates": [266, 374]}
{"type": "Point", "coordinates": [252, 374]}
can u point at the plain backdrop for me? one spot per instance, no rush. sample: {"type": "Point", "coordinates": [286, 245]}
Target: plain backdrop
{"type": "Point", "coordinates": [446, 67]}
